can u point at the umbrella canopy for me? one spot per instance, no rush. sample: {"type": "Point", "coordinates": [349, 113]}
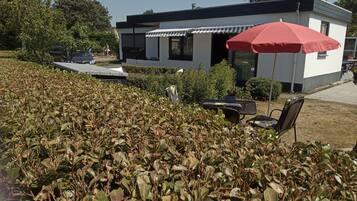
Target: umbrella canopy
{"type": "Point", "coordinates": [278, 37]}
{"type": "Point", "coordinates": [281, 37]}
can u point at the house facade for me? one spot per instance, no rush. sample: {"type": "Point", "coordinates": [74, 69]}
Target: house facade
{"type": "Point", "coordinates": [197, 38]}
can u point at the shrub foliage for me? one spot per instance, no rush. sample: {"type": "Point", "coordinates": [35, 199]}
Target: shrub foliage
{"type": "Point", "coordinates": [259, 88]}
{"type": "Point", "coordinates": [70, 137]}
{"type": "Point", "coordinates": [193, 85]}
{"type": "Point", "coordinates": [224, 78]}
{"type": "Point", "coordinates": [148, 70]}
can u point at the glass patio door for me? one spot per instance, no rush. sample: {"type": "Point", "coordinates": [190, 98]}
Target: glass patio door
{"type": "Point", "coordinates": [245, 64]}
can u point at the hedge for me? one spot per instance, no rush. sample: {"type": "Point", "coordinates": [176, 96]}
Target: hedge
{"type": "Point", "coordinates": [148, 70]}
{"type": "Point", "coordinates": [259, 88]}
{"type": "Point", "coordinates": [70, 137]}
{"type": "Point", "coordinates": [193, 85]}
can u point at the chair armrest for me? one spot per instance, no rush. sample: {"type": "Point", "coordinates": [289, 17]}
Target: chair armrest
{"type": "Point", "coordinates": [275, 110]}
{"type": "Point", "coordinates": [230, 109]}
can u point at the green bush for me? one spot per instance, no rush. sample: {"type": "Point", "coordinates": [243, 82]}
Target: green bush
{"type": "Point", "coordinates": [223, 76]}
{"type": "Point", "coordinates": [259, 88]}
{"type": "Point", "coordinates": [241, 93]}
{"type": "Point", "coordinates": [153, 83]}
{"type": "Point", "coordinates": [70, 137]}
{"type": "Point", "coordinates": [29, 55]}
{"type": "Point", "coordinates": [193, 85]}
{"type": "Point", "coordinates": [149, 70]}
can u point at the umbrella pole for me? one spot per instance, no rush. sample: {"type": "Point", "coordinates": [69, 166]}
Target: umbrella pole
{"type": "Point", "coordinates": [271, 84]}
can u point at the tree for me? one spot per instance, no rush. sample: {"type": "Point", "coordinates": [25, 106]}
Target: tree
{"type": "Point", "coordinates": [10, 24]}
{"type": "Point", "coordinates": [77, 39]}
{"type": "Point", "coordinates": [105, 38]}
{"type": "Point", "coordinates": [352, 6]}
{"type": "Point", "coordinates": [148, 12]}
{"type": "Point", "coordinates": [87, 21]}
{"type": "Point", "coordinates": [41, 26]}
{"type": "Point", "coordinates": [90, 13]}
{"type": "Point", "coordinates": [40, 29]}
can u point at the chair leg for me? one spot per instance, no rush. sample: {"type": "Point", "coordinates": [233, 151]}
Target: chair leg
{"type": "Point", "coordinates": [295, 132]}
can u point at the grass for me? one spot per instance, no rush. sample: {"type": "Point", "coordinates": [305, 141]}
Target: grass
{"type": "Point", "coordinates": [7, 54]}
{"type": "Point", "coordinates": [328, 122]}
{"type": "Point", "coordinates": [105, 61]}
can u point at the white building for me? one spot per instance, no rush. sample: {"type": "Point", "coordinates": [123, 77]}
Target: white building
{"type": "Point", "coordinates": [196, 38]}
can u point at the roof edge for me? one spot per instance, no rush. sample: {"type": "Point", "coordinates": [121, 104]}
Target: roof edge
{"type": "Point", "coordinates": [274, 6]}
{"type": "Point", "coordinates": [331, 10]}
{"type": "Point", "coordinates": [125, 25]}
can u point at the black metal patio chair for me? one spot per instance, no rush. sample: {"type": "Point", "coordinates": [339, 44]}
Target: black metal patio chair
{"type": "Point", "coordinates": [287, 119]}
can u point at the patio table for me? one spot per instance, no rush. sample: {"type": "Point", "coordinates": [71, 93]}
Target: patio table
{"type": "Point", "coordinates": [234, 111]}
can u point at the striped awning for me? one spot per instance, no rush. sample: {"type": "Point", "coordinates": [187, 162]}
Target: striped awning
{"type": "Point", "coordinates": [222, 29]}
{"type": "Point", "coordinates": [199, 30]}
{"type": "Point", "coordinates": [168, 32]}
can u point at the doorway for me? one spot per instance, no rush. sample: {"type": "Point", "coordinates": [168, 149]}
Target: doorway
{"type": "Point", "coordinates": [245, 64]}
{"type": "Point", "coordinates": [219, 50]}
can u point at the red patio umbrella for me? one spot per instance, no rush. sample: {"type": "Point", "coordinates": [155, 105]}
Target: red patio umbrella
{"type": "Point", "coordinates": [281, 37]}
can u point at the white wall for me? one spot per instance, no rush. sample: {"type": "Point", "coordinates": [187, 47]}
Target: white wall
{"type": "Point", "coordinates": [284, 69]}
{"type": "Point", "coordinates": [201, 52]}
{"type": "Point", "coordinates": [306, 66]}
{"type": "Point", "coordinates": [333, 62]}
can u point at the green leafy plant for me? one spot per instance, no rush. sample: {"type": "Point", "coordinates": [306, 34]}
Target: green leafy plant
{"type": "Point", "coordinates": [148, 70]}
{"type": "Point", "coordinates": [240, 93]}
{"type": "Point", "coordinates": [224, 78]}
{"type": "Point", "coordinates": [27, 55]}
{"type": "Point", "coordinates": [354, 69]}
{"type": "Point", "coordinates": [260, 88]}
{"type": "Point", "coordinates": [193, 85]}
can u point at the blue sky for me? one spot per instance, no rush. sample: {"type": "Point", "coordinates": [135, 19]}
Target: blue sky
{"type": "Point", "coordinates": [119, 9]}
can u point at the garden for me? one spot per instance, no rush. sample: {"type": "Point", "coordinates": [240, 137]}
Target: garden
{"type": "Point", "coordinates": [196, 85]}
{"type": "Point", "coordinates": [318, 120]}
{"type": "Point", "coordinates": [66, 136]}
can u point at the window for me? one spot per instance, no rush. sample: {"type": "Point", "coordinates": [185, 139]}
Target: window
{"type": "Point", "coordinates": [350, 44]}
{"type": "Point", "coordinates": [181, 48]}
{"type": "Point", "coordinates": [133, 46]}
{"type": "Point", "coordinates": [325, 28]}
{"type": "Point", "coordinates": [350, 48]}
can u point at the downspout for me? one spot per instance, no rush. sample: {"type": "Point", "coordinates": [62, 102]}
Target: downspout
{"type": "Point", "coordinates": [354, 52]}
{"type": "Point", "coordinates": [295, 55]}
{"type": "Point", "coordinates": [120, 46]}
{"type": "Point", "coordinates": [134, 36]}
{"type": "Point", "coordinates": [134, 44]}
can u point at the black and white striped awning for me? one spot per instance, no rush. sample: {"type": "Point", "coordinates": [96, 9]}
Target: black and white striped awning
{"type": "Point", "coordinates": [199, 30]}
{"type": "Point", "coordinates": [222, 29]}
{"type": "Point", "coordinates": [168, 32]}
